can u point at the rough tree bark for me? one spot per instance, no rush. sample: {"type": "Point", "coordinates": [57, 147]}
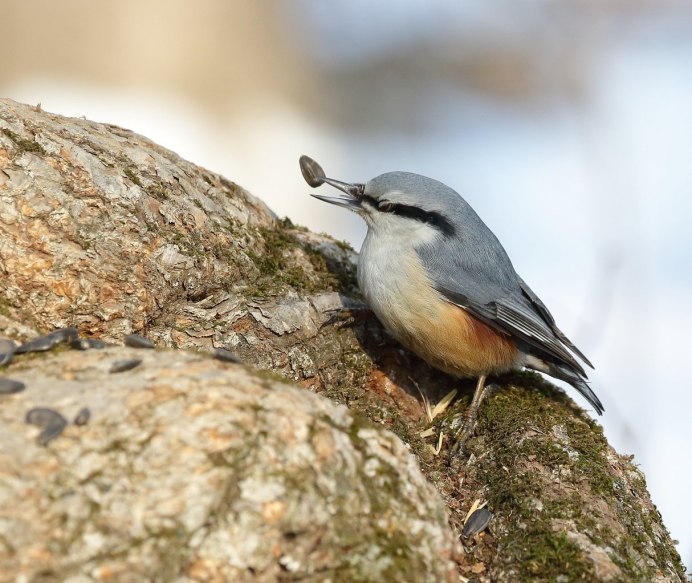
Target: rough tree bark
{"type": "Point", "coordinates": [103, 230]}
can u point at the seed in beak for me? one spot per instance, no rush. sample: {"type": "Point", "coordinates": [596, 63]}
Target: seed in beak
{"type": "Point", "coordinates": [312, 171]}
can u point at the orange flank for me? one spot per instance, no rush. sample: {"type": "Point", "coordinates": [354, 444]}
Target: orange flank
{"type": "Point", "coordinates": [460, 344]}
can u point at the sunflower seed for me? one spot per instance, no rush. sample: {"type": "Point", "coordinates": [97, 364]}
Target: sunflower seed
{"type": "Point", "coordinates": [123, 365]}
{"type": "Point", "coordinates": [226, 356]}
{"type": "Point", "coordinates": [9, 387]}
{"type": "Point", "coordinates": [48, 341]}
{"type": "Point", "coordinates": [137, 341]}
{"type": "Point", "coordinates": [87, 343]}
{"type": "Point", "coordinates": [83, 416]}
{"type": "Point", "coordinates": [52, 422]}
{"type": "Point", "coordinates": [312, 171]}
{"type": "Point", "coordinates": [477, 522]}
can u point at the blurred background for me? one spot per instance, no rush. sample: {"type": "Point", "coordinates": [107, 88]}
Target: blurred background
{"type": "Point", "coordinates": [566, 124]}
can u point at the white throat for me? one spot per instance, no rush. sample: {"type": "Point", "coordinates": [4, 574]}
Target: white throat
{"type": "Point", "coordinates": [390, 273]}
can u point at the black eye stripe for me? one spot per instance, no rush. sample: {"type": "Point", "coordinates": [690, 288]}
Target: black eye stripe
{"type": "Point", "coordinates": [430, 217]}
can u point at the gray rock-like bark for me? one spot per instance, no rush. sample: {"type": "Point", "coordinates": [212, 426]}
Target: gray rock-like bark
{"type": "Point", "coordinates": [191, 469]}
{"type": "Point", "coordinates": [103, 230]}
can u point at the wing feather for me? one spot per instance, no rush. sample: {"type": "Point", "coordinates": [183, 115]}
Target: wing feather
{"type": "Point", "coordinates": [474, 272]}
{"type": "Point", "coordinates": [512, 319]}
{"type": "Point", "coordinates": [548, 317]}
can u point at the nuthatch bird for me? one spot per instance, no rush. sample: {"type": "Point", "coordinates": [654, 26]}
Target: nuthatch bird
{"type": "Point", "coordinates": [442, 284]}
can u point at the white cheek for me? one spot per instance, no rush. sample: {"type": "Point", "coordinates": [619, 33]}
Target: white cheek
{"type": "Point", "coordinates": [390, 230]}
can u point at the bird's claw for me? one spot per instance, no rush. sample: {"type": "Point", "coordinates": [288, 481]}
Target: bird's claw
{"type": "Point", "coordinates": [344, 316]}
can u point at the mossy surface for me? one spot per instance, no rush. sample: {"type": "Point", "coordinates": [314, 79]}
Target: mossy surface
{"type": "Point", "coordinates": [388, 553]}
{"type": "Point", "coordinates": [370, 542]}
{"type": "Point", "coordinates": [4, 308]}
{"type": "Point", "coordinates": [131, 173]}
{"type": "Point", "coordinates": [551, 481]}
{"type": "Point", "coordinates": [283, 261]}
{"type": "Point", "coordinates": [516, 425]}
{"type": "Point", "coordinates": [23, 145]}
{"type": "Point", "coordinates": [562, 500]}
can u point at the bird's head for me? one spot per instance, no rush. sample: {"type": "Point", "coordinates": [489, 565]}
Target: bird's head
{"type": "Point", "coordinates": [394, 203]}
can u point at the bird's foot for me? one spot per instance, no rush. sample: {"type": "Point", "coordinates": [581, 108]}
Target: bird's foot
{"type": "Point", "coordinates": [346, 316]}
{"type": "Point", "coordinates": [458, 448]}
{"type": "Point", "coordinates": [468, 428]}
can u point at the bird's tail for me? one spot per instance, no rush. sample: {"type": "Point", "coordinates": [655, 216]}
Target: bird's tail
{"type": "Point", "coordinates": [566, 374]}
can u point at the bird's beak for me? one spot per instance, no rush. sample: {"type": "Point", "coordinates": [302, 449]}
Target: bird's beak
{"type": "Point", "coordinates": [314, 176]}
{"type": "Point", "coordinates": [354, 194]}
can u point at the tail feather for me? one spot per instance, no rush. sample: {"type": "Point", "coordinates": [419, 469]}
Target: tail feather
{"type": "Point", "coordinates": [560, 371]}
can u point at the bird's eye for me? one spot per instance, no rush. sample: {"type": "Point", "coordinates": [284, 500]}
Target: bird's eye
{"type": "Point", "coordinates": [385, 206]}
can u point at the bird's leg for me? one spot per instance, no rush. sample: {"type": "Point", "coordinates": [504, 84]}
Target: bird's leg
{"type": "Point", "coordinates": [470, 422]}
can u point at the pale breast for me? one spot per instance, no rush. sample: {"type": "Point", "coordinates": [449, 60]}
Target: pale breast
{"type": "Point", "coordinates": [398, 290]}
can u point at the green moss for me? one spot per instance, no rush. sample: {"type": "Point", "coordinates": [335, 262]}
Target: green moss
{"type": "Point", "coordinates": [538, 455]}
{"type": "Point", "coordinates": [26, 316]}
{"type": "Point", "coordinates": [24, 145]}
{"type": "Point", "coordinates": [223, 252]}
{"type": "Point", "coordinates": [397, 551]}
{"type": "Point", "coordinates": [641, 530]}
{"type": "Point", "coordinates": [515, 482]}
{"type": "Point", "coordinates": [334, 277]}
{"type": "Point", "coordinates": [231, 189]}
{"type": "Point", "coordinates": [271, 375]}
{"type": "Point", "coordinates": [348, 383]}
{"type": "Point", "coordinates": [278, 265]}
{"type": "Point", "coordinates": [344, 246]}
{"type": "Point", "coordinates": [551, 557]}
{"type": "Point", "coordinates": [4, 308]}
{"type": "Point", "coordinates": [285, 223]}
{"type": "Point", "coordinates": [129, 171]}
{"type": "Point", "coordinates": [363, 548]}
{"type": "Point", "coordinates": [157, 191]}
{"type": "Point", "coordinates": [192, 243]}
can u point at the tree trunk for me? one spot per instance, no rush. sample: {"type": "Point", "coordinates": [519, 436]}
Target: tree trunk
{"type": "Point", "coordinates": [103, 230]}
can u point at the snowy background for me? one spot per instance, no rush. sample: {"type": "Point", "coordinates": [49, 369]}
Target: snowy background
{"type": "Point", "coordinates": [566, 124]}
